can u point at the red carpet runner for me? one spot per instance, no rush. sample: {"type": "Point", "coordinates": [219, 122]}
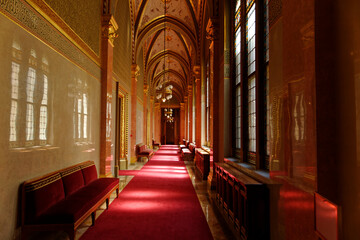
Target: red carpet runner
{"type": "Point", "coordinates": [159, 203]}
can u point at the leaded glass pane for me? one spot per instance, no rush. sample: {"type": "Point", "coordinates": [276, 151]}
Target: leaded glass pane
{"type": "Point", "coordinates": [238, 55]}
{"type": "Point", "coordinates": [250, 39]}
{"type": "Point", "coordinates": [252, 114]}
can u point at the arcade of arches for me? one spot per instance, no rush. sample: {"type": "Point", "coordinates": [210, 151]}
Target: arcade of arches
{"type": "Point", "coordinates": [269, 88]}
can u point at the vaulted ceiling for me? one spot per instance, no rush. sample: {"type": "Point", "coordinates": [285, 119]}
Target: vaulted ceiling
{"type": "Point", "coordinates": [168, 32]}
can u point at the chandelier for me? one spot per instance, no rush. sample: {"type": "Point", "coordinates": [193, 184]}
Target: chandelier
{"type": "Point", "coordinates": [169, 114]}
{"type": "Point", "coordinates": [166, 91]}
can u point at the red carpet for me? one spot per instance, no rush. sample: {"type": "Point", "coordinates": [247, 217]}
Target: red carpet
{"type": "Point", "coordinates": [159, 203]}
{"type": "Point", "coordinates": [128, 172]}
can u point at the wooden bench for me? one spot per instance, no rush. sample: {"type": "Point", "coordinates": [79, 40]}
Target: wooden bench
{"type": "Point", "coordinates": [243, 202]}
{"type": "Point", "coordinates": [62, 200]}
{"type": "Point", "coordinates": [142, 151]}
{"type": "Point", "coordinates": [202, 162]}
{"type": "Point", "coordinates": [187, 154]}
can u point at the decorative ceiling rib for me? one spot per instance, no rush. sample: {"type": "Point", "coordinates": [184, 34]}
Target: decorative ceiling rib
{"type": "Point", "coordinates": [167, 31]}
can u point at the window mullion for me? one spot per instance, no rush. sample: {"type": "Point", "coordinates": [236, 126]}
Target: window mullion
{"type": "Point", "coordinates": [260, 85]}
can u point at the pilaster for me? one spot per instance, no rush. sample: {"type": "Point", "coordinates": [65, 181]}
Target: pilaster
{"type": "Point", "coordinates": [217, 86]}
{"type": "Point", "coordinates": [190, 92]}
{"type": "Point", "coordinates": [145, 111]}
{"type": "Point", "coordinates": [182, 120]}
{"type": "Point", "coordinates": [151, 119]}
{"type": "Point", "coordinates": [197, 74]}
{"type": "Point", "coordinates": [135, 72]}
{"type": "Point", "coordinates": [109, 27]}
{"type": "Point", "coordinates": [157, 125]}
{"type": "Point", "coordinates": [186, 123]}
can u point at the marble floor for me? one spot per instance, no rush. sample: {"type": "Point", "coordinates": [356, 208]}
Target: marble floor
{"type": "Point", "coordinates": [217, 225]}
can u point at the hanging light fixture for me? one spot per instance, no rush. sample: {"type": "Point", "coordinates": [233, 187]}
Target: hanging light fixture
{"type": "Point", "coordinates": [166, 93]}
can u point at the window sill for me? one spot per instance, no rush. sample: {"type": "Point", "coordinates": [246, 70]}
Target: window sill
{"type": "Point", "coordinates": [249, 169]}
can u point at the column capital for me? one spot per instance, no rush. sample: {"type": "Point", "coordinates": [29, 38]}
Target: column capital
{"type": "Point", "coordinates": [190, 90]}
{"type": "Point", "coordinates": [212, 29]}
{"type": "Point", "coordinates": [109, 28]}
{"type": "Point", "coordinates": [197, 72]}
{"type": "Point", "coordinates": [182, 105]}
{"type": "Point", "coordinates": [146, 89]}
{"type": "Point", "coordinates": [135, 71]}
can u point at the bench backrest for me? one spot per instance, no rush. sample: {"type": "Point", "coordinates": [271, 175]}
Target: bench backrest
{"type": "Point", "coordinates": [139, 148]}
{"type": "Point", "coordinates": [41, 193]}
{"type": "Point", "coordinates": [192, 147]}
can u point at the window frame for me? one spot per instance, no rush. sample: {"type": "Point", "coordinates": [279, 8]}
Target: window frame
{"type": "Point", "coordinates": [259, 158]}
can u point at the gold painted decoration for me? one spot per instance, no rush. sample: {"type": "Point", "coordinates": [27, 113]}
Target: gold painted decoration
{"type": "Point", "coordinates": [61, 23]}
{"type": "Point", "coordinates": [109, 28]}
{"type": "Point", "coordinates": [20, 13]}
{"type": "Point", "coordinates": [212, 31]}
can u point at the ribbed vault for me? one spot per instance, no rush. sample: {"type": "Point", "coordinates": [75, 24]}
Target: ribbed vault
{"type": "Point", "coordinates": [167, 32]}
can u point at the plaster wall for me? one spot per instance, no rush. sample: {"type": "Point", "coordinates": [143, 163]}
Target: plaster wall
{"type": "Point", "coordinates": [68, 140]}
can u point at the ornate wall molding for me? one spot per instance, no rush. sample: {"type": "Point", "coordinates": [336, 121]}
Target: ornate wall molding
{"type": "Point", "coordinates": [54, 19]}
{"type": "Point", "coordinates": [20, 13]}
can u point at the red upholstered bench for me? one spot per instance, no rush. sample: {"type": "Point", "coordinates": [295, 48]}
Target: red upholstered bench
{"type": "Point", "coordinates": [155, 144]}
{"type": "Point", "coordinates": [142, 151]}
{"type": "Point", "coordinates": [62, 200]}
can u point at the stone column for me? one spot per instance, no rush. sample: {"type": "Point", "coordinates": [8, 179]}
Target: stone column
{"type": "Point", "coordinates": [190, 113]}
{"type": "Point", "coordinates": [197, 74]}
{"type": "Point", "coordinates": [182, 121]}
{"type": "Point", "coordinates": [217, 97]}
{"type": "Point", "coordinates": [186, 123]}
{"type": "Point", "coordinates": [109, 27]}
{"type": "Point", "coordinates": [134, 74]}
{"type": "Point", "coordinates": [145, 107]}
{"type": "Point", "coordinates": [151, 119]}
{"type": "Point", "coordinates": [157, 125]}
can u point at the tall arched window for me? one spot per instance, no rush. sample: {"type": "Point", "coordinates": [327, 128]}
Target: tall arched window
{"type": "Point", "coordinates": [251, 81]}
{"type": "Point", "coordinates": [207, 103]}
{"type": "Point", "coordinates": [238, 75]}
